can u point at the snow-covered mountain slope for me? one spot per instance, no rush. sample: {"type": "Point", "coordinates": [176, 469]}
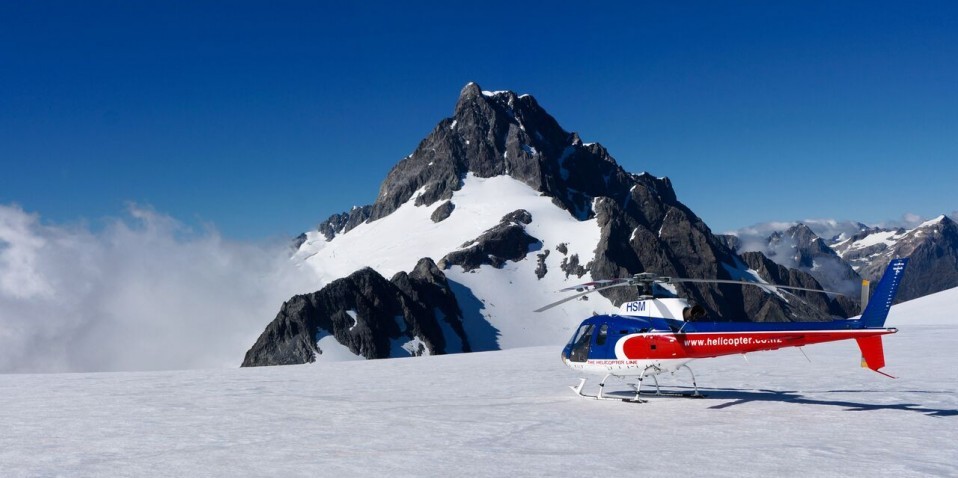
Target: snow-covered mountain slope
{"type": "Point", "coordinates": [394, 243]}
{"type": "Point", "coordinates": [502, 413]}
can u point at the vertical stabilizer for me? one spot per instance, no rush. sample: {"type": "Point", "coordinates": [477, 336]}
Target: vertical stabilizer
{"type": "Point", "coordinates": [877, 310]}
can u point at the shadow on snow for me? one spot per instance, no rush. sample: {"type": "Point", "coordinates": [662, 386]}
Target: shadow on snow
{"type": "Point", "coordinates": [482, 335]}
{"type": "Point", "coordinates": [739, 397]}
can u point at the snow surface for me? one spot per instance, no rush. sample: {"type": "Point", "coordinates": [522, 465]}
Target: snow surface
{"type": "Point", "coordinates": [333, 351]}
{"type": "Point", "coordinates": [931, 222]}
{"type": "Point", "coordinates": [887, 237]}
{"type": "Point", "coordinates": [503, 413]}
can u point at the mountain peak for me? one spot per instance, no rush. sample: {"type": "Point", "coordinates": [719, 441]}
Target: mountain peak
{"type": "Point", "coordinates": [471, 88]}
{"type": "Point", "coordinates": [942, 219]}
{"type": "Point", "coordinates": [800, 230]}
{"type": "Point", "coordinates": [500, 133]}
{"type": "Point", "coordinates": [470, 91]}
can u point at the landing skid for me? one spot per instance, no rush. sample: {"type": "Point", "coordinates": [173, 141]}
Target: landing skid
{"type": "Point", "coordinates": [600, 396]}
{"type": "Point", "coordinates": [635, 397]}
{"type": "Point", "coordinates": [675, 394]}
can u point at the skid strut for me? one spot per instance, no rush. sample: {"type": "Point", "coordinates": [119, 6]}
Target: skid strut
{"type": "Point", "coordinates": [599, 396]}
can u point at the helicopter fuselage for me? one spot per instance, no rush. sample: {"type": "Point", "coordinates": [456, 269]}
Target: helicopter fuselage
{"type": "Point", "coordinates": [651, 336]}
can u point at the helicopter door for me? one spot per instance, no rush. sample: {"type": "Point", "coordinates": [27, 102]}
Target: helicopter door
{"type": "Point", "coordinates": [581, 343]}
{"type": "Point", "coordinates": [602, 345]}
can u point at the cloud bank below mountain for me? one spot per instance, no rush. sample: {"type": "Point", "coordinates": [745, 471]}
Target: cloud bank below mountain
{"type": "Point", "coordinates": [142, 293]}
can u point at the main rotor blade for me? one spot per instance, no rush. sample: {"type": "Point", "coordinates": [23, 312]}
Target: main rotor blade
{"type": "Point", "coordinates": [576, 296]}
{"type": "Point", "coordinates": [597, 283]}
{"type": "Point", "coordinates": [757, 284]}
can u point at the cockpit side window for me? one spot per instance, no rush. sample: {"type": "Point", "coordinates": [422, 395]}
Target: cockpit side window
{"type": "Point", "coordinates": [603, 334]}
{"type": "Point", "coordinates": [694, 313]}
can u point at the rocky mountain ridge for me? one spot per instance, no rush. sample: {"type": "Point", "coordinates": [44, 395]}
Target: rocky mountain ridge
{"type": "Point", "coordinates": [840, 262]}
{"type": "Point", "coordinates": [931, 246]}
{"type": "Point", "coordinates": [372, 317]}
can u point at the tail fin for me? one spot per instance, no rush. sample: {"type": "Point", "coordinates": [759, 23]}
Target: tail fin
{"type": "Point", "coordinates": [877, 310]}
{"type": "Point", "coordinates": [873, 355]}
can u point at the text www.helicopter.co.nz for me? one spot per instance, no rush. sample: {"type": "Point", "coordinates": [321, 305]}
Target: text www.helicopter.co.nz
{"type": "Point", "coordinates": [729, 341]}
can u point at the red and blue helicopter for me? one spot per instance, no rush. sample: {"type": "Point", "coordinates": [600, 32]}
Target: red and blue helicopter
{"type": "Point", "coordinates": [655, 335]}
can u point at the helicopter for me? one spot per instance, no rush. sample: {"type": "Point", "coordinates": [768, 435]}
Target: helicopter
{"type": "Point", "coordinates": [655, 335]}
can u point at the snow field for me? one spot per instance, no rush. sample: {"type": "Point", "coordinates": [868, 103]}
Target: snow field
{"type": "Point", "coordinates": [502, 413]}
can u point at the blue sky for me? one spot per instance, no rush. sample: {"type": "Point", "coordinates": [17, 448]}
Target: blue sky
{"type": "Point", "coordinates": [264, 118]}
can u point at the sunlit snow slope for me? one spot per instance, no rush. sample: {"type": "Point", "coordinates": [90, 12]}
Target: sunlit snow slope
{"type": "Point", "coordinates": [508, 295]}
{"type": "Point", "coordinates": [502, 413]}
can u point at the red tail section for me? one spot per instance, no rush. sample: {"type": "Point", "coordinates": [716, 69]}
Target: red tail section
{"type": "Point", "coordinates": [873, 355]}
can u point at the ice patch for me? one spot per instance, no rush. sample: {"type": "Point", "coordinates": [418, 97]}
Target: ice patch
{"type": "Point", "coordinates": [416, 347]}
{"type": "Point", "coordinates": [332, 350]}
{"type": "Point", "coordinates": [352, 314]}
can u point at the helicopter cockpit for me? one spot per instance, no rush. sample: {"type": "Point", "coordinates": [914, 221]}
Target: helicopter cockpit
{"type": "Point", "coordinates": [596, 337]}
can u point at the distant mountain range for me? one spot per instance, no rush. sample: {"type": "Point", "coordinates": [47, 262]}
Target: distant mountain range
{"type": "Point", "coordinates": [841, 261]}
{"type": "Point", "coordinates": [498, 208]}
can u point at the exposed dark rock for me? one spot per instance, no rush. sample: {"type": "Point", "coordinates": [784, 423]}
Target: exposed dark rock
{"type": "Point", "coordinates": [563, 248]}
{"type": "Point", "coordinates": [443, 211]}
{"type": "Point", "coordinates": [343, 222]}
{"type": "Point", "coordinates": [507, 241]}
{"type": "Point", "coordinates": [570, 265]}
{"type": "Point", "coordinates": [773, 273]}
{"type": "Point", "coordinates": [519, 216]}
{"type": "Point", "coordinates": [731, 241]}
{"type": "Point", "coordinates": [541, 269]}
{"type": "Point", "coordinates": [299, 241]}
{"type": "Point", "coordinates": [423, 289]}
{"type": "Point", "coordinates": [654, 232]}
{"type": "Point", "coordinates": [386, 313]}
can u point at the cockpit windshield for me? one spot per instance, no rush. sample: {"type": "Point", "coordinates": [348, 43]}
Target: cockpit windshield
{"type": "Point", "coordinates": [580, 343]}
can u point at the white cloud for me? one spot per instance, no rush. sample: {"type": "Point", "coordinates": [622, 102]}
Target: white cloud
{"type": "Point", "coordinates": [143, 293]}
{"type": "Point", "coordinates": [907, 221]}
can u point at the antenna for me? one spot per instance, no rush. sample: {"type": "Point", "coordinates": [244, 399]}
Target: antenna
{"type": "Point", "coordinates": [866, 285]}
